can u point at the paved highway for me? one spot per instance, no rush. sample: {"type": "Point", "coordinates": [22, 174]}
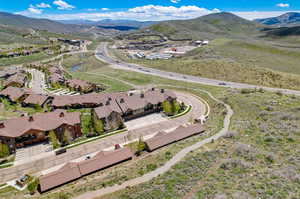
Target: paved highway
{"type": "Point", "coordinates": [103, 55]}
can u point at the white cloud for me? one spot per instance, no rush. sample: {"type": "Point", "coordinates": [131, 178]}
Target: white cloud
{"type": "Point", "coordinates": [283, 5]}
{"type": "Point", "coordinates": [143, 13]}
{"type": "Point", "coordinates": [91, 9]}
{"type": "Point", "coordinates": [104, 9]}
{"type": "Point", "coordinates": [62, 5]}
{"type": "Point", "coordinates": [43, 5]}
{"type": "Point", "coordinates": [175, 1]}
{"type": "Point", "coordinates": [33, 10]}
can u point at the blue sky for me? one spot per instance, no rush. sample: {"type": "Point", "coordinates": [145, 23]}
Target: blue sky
{"type": "Point", "coordinates": [146, 9]}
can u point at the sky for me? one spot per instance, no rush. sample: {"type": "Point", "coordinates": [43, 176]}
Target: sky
{"type": "Point", "coordinates": [146, 10]}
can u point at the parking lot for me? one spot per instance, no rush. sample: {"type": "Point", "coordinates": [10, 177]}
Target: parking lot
{"type": "Point", "coordinates": [145, 121]}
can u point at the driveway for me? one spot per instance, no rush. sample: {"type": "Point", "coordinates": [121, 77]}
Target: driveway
{"type": "Point", "coordinates": [145, 121]}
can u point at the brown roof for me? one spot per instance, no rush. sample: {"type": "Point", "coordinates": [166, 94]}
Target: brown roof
{"type": "Point", "coordinates": [14, 93]}
{"type": "Point", "coordinates": [55, 69]}
{"type": "Point", "coordinates": [67, 173]}
{"type": "Point", "coordinates": [105, 110]}
{"type": "Point", "coordinates": [56, 77]}
{"type": "Point", "coordinates": [76, 83]}
{"type": "Point", "coordinates": [104, 159]}
{"type": "Point", "coordinates": [36, 99]}
{"type": "Point", "coordinates": [42, 122]}
{"type": "Point", "coordinates": [19, 78]}
{"type": "Point", "coordinates": [73, 171]}
{"type": "Point", "coordinates": [162, 139]}
{"type": "Point", "coordinates": [138, 101]}
{"type": "Point", "coordinates": [91, 98]}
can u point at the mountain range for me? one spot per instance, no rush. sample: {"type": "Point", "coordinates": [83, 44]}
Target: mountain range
{"type": "Point", "coordinates": [112, 24]}
{"type": "Point", "coordinates": [22, 22]}
{"type": "Point", "coordinates": [208, 26]}
{"type": "Point", "coordinates": [287, 19]}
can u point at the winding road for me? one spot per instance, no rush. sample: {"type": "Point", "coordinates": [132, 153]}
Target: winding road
{"type": "Point", "coordinates": [168, 165]}
{"type": "Point", "coordinates": [102, 54]}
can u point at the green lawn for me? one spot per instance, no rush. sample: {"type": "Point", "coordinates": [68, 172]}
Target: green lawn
{"type": "Point", "coordinates": [24, 59]}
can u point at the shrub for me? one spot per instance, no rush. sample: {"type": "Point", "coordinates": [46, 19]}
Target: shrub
{"type": "Point", "coordinates": [140, 146]}
{"type": "Point", "coordinates": [53, 139]}
{"type": "Point", "coordinates": [99, 126]}
{"type": "Point", "coordinates": [4, 150]}
{"type": "Point", "coordinates": [167, 107]}
{"type": "Point", "coordinates": [33, 185]}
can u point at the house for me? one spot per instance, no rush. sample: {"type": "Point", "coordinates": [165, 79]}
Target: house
{"type": "Point", "coordinates": [22, 131]}
{"type": "Point", "coordinates": [110, 116]}
{"type": "Point", "coordinates": [83, 86]}
{"type": "Point", "coordinates": [74, 170]}
{"type": "Point", "coordinates": [180, 133]}
{"type": "Point", "coordinates": [65, 174]}
{"type": "Point", "coordinates": [34, 100]}
{"type": "Point", "coordinates": [17, 80]}
{"type": "Point", "coordinates": [90, 100]}
{"type": "Point", "coordinates": [56, 78]}
{"type": "Point", "coordinates": [137, 105]}
{"type": "Point", "coordinates": [104, 159]}
{"type": "Point", "coordinates": [15, 94]}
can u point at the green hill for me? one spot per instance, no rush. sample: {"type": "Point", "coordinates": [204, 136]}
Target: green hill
{"type": "Point", "coordinates": [208, 27]}
{"type": "Point", "coordinates": [20, 21]}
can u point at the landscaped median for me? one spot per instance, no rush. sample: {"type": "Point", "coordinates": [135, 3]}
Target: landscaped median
{"type": "Point", "coordinates": [187, 110]}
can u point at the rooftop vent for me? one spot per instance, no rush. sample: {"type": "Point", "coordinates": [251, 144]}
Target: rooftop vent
{"type": "Point", "coordinates": [122, 100]}
{"type": "Point", "coordinates": [162, 90]}
{"type": "Point", "coordinates": [153, 89]}
{"type": "Point", "coordinates": [130, 94]}
{"type": "Point", "coordinates": [107, 102]}
{"type": "Point", "coordinates": [62, 114]}
{"type": "Point", "coordinates": [142, 95]}
{"type": "Point", "coordinates": [2, 125]}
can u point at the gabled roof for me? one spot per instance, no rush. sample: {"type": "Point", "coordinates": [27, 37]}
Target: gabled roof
{"type": "Point", "coordinates": [104, 159]}
{"type": "Point", "coordinates": [162, 139]}
{"type": "Point", "coordinates": [105, 110]}
{"type": "Point", "coordinates": [76, 83]}
{"type": "Point", "coordinates": [91, 98]}
{"type": "Point", "coordinates": [42, 122]}
{"type": "Point", "coordinates": [36, 99]}
{"type": "Point", "coordinates": [67, 173]}
{"type": "Point", "coordinates": [14, 93]}
{"type": "Point", "coordinates": [19, 78]}
{"type": "Point", "coordinates": [73, 171]}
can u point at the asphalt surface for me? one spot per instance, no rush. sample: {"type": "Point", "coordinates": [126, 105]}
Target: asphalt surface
{"type": "Point", "coordinates": [102, 54]}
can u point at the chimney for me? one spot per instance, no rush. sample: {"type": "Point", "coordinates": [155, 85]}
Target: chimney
{"type": "Point", "coordinates": [62, 114]}
{"type": "Point", "coordinates": [30, 119]}
{"type": "Point", "coordinates": [117, 146]}
{"type": "Point", "coordinates": [162, 90]}
{"type": "Point", "coordinates": [142, 95]}
{"type": "Point", "coordinates": [2, 125]}
{"type": "Point", "coordinates": [107, 102]}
